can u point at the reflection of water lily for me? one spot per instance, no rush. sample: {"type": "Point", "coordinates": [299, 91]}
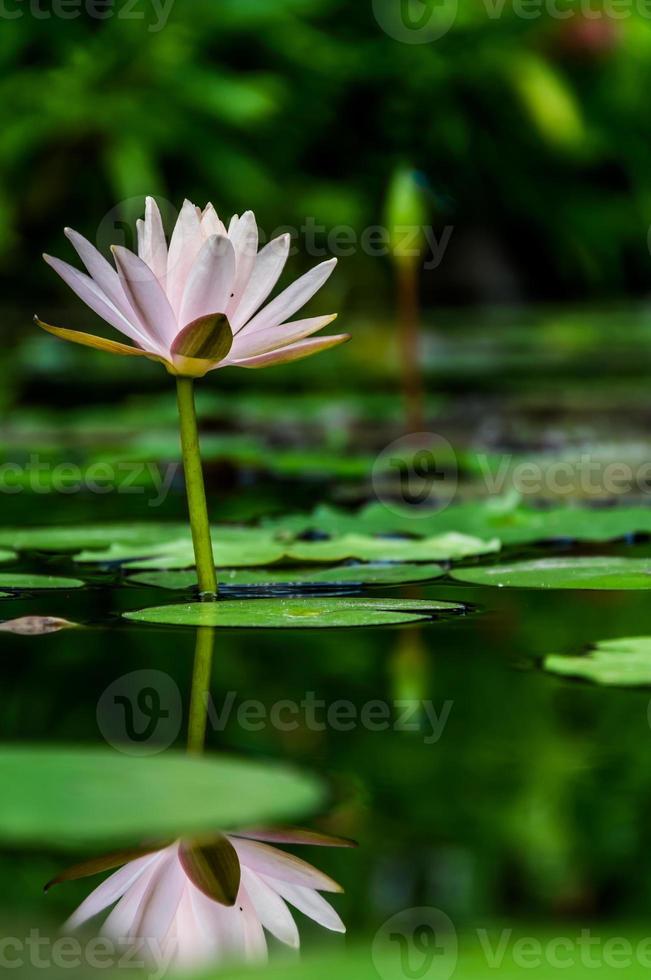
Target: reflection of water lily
{"type": "Point", "coordinates": [211, 901]}
{"type": "Point", "coordinates": [195, 305]}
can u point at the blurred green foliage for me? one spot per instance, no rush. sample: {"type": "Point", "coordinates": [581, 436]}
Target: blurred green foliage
{"type": "Point", "coordinates": [532, 132]}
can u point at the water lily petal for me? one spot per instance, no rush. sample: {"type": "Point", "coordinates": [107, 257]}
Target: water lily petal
{"type": "Point", "coordinates": [98, 343]}
{"type": "Point", "coordinates": [187, 238]}
{"type": "Point", "coordinates": [292, 298]}
{"type": "Point", "coordinates": [279, 864]}
{"type": "Point", "coordinates": [211, 280]}
{"type": "Point", "coordinates": [211, 223]}
{"type": "Point", "coordinates": [293, 352]}
{"type": "Point", "coordinates": [309, 902]}
{"type": "Point", "coordinates": [146, 295]}
{"type": "Point", "coordinates": [271, 909]}
{"type": "Point", "coordinates": [269, 264]}
{"type": "Point", "coordinates": [165, 893]}
{"type": "Point", "coordinates": [152, 245]}
{"type": "Point", "coordinates": [96, 865]}
{"type": "Point", "coordinates": [94, 297]}
{"type": "Point", "coordinates": [105, 276]}
{"type": "Point", "coordinates": [262, 341]}
{"type": "Point", "coordinates": [111, 890]}
{"type": "Point", "coordinates": [213, 868]}
{"type": "Point", "coordinates": [244, 237]}
{"type": "Point", "coordinates": [293, 835]}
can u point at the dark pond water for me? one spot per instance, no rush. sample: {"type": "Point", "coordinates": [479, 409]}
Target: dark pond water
{"type": "Point", "coordinates": [481, 785]}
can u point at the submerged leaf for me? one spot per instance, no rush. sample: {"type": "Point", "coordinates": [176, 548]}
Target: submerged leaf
{"type": "Point", "coordinates": [299, 613]}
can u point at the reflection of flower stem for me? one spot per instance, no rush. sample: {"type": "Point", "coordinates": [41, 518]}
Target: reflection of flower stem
{"type": "Point", "coordinates": [195, 489]}
{"type": "Point", "coordinates": [203, 653]}
{"type": "Point", "coordinates": [408, 316]}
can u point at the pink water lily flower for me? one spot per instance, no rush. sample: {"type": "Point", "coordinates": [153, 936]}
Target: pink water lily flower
{"type": "Point", "coordinates": [195, 903]}
{"type": "Point", "coordinates": [197, 304]}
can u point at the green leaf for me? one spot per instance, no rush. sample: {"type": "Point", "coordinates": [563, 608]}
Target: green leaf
{"type": "Point", "coordinates": [614, 663]}
{"type": "Point", "coordinates": [9, 580]}
{"type": "Point", "coordinates": [60, 539]}
{"type": "Point", "coordinates": [368, 574]}
{"type": "Point", "coordinates": [563, 573]}
{"type": "Point", "coordinates": [7, 555]}
{"type": "Point", "coordinates": [76, 797]}
{"type": "Point", "coordinates": [496, 518]}
{"type": "Point", "coordinates": [301, 613]}
{"type": "Point", "coordinates": [366, 548]}
{"type": "Point", "coordinates": [213, 867]}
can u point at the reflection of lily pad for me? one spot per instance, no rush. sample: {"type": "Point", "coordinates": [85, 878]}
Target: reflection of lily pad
{"type": "Point", "coordinates": [615, 663]}
{"type": "Point", "coordinates": [74, 797]}
{"type": "Point", "coordinates": [300, 613]}
{"type": "Point", "coordinates": [563, 573]}
{"type": "Point", "coordinates": [369, 574]}
{"type": "Point", "coordinates": [9, 580]}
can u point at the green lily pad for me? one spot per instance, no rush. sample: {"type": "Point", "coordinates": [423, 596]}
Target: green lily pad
{"type": "Point", "coordinates": [369, 574]}
{"type": "Point", "coordinates": [505, 519]}
{"type": "Point", "coordinates": [614, 663]}
{"type": "Point", "coordinates": [7, 555]}
{"type": "Point", "coordinates": [300, 613]}
{"type": "Point", "coordinates": [364, 547]}
{"type": "Point", "coordinates": [63, 796]}
{"type": "Point", "coordinates": [563, 573]}
{"type": "Point", "coordinates": [247, 549]}
{"type": "Point", "coordinates": [59, 539]}
{"type": "Point", "coordinates": [9, 580]}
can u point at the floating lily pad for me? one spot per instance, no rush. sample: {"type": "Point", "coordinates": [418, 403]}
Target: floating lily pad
{"type": "Point", "coordinates": [9, 580]}
{"type": "Point", "coordinates": [62, 796]}
{"type": "Point", "coordinates": [7, 555]}
{"type": "Point", "coordinates": [614, 663]}
{"type": "Point", "coordinates": [300, 613]}
{"type": "Point", "coordinates": [59, 539]}
{"type": "Point", "coordinates": [248, 549]}
{"type": "Point", "coordinates": [368, 574]}
{"type": "Point", "coordinates": [503, 518]}
{"type": "Point", "coordinates": [365, 547]}
{"type": "Point", "coordinates": [563, 573]}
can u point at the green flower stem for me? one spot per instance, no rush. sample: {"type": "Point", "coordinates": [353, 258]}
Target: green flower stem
{"type": "Point", "coordinates": [203, 654]}
{"type": "Point", "coordinates": [195, 489]}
